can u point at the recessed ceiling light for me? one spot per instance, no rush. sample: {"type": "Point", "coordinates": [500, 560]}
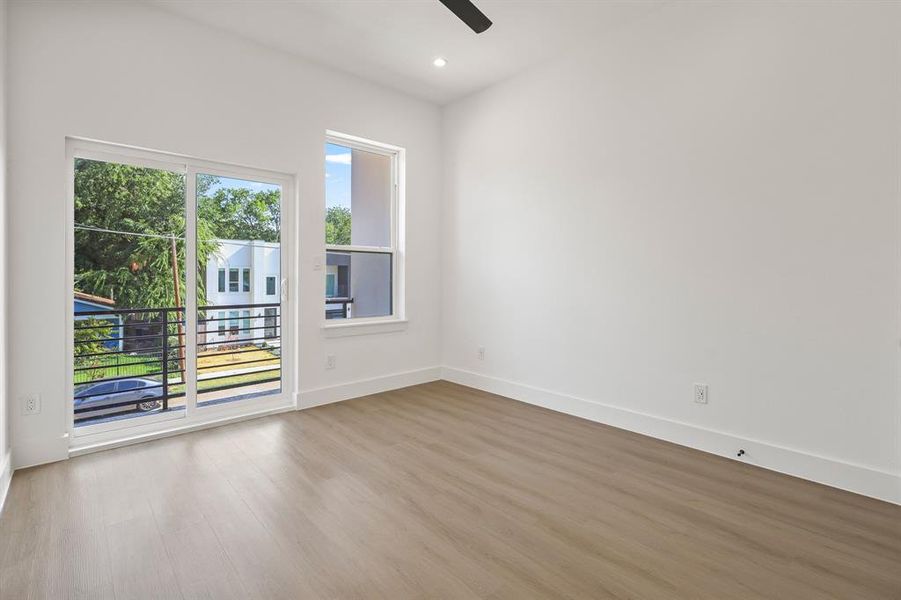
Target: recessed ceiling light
{"type": "Point", "coordinates": [439, 62]}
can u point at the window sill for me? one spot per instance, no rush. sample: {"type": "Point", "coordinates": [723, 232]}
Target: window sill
{"type": "Point", "coordinates": [363, 327]}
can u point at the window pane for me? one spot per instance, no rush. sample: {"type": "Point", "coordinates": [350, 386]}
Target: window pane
{"type": "Point", "coordinates": [357, 197]}
{"type": "Point", "coordinates": [129, 226]}
{"type": "Point", "coordinates": [221, 280]}
{"type": "Point", "coordinates": [362, 285]}
{"type": "Point", "coordinates": [239, 221]}
{"type": "Point", "coordinates": [270, 286]}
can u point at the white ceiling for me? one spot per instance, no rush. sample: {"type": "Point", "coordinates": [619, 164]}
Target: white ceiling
{"type": "Point", "coordinates": [393, 42]}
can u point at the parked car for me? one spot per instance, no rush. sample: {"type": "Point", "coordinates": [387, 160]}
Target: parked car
{"type": "Point", "coordinates": [123, 395]}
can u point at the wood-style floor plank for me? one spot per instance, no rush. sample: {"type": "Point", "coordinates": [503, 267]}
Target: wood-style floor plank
{"type": "Point", "coordinates": [435, 491]}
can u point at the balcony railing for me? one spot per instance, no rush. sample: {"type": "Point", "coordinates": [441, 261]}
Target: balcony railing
{"type": "Point", "coordinates": [338, 308]}
{"type": "Point", "coordinates": [132, 361]}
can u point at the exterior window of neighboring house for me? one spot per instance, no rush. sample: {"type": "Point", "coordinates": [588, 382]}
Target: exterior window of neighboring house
{"type": "Point", "coordinates": [246, 325]}
{"type": "Point", "coordinates": [233, 280]}
{"type": "Point", "coordinates": [221, 280]}
{"type": "Point", "coordinates": [233, 322]}
{"type": "Point", "coordinates": [270, 322]}
{"type": "Point", "coordinates": [270, 286]}
{"type": "Point", "coordinates": [363, 194]}
{"type": "Point", "coordinates": [221, 322]}
{"type": "Point", "coordinates": [245, 278]}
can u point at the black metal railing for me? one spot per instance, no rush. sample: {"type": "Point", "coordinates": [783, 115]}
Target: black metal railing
{"type": "Point", "coordinates": [337, 308]}
{"type": "Point", "coordinates": [129, 345]}
{"type": "Point", "coordinates": [233, 339]}
{"type": "Point", "coordinates": [136, 357]}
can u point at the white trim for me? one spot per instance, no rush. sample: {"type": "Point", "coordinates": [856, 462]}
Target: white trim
{"type": "Point", "coordinates": [40, 450]}
{"type": "Point", "coordinates": [361, 143]}
{"type": "Point", "coordinates": [349, 327]}
{"type": "Point", "coordinates": [155, 435]}
{"type": "Point", "coordinates": [6, 477]}
{"type": "Point", "coordinates": [352, 248]}
{"type": "Point", "coordinates": [856, 478]}
{"type": "Point", "coordinates": [365, 387]}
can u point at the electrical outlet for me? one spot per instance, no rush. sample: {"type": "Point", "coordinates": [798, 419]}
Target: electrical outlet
{"type": "Point", "coordinates": [330, 361]}
{"type": "Point", "coordinates": [481, 352]}
{"type": "Point", "coordinates": [31, 405]}
{"type": "Point", "coordinates": [701, 393]}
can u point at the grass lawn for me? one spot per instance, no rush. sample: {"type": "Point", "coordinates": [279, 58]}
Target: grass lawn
{"type": "Point", "coordinates": [118, 365]}
{"type": "Point", "coordinates": [121, 365]}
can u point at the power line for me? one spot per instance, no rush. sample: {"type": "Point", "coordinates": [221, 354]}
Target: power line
{"type": "Point", "coordinates": [150, 235]}
{"type": "Point", "coordinates": [155, 235]}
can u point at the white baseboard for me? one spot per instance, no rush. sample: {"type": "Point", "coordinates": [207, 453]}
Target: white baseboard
{"type": "Point", "coordinates": [6, 477]}
{"type": "Point", "coordinates": [364, 387]}
{"type": "Point", "coordinates": [856, 478]}
{"type": "Point", "coordinates": [34, 451]}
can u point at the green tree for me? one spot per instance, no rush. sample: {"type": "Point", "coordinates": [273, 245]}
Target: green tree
{"type": "Point", "coordinates": [126, 219]}
{"type": "Point", "coordinates": [241, 214]}
{"type": "Point", "coordinates": [89, 340]}
{"type": "Point", "coordinates": [337, 226]}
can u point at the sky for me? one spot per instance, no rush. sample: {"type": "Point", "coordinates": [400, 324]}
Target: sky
{"type": "Point", "coordinates": [337, 178]}
{"type": "Point", "coordinates": [337, 175]}
{"type": "Point", "coordinates": [253, 186]}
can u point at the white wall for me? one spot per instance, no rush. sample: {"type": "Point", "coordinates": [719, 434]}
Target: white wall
{"type": "Point", "coordinates": [5, 462]}
{"type": "Point", "coordinates": [140, 76]}
{"type": "Point", "coordinates": [711, 195]}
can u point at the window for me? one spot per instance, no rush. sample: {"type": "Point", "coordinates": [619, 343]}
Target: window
{"type": "Point", "coordinates": [233, 322]}
{"type": "Point", "coordinates": [221, 280]}
{"type": "Point", "coordinates": [126, 386]}
{"type": "Point", "coordinates": [246, 325]}
{"type": "Point", "coordinates": [270, 286]}
{"type": "Point", "coordinates": [221, 321]}
{"type": "Point", "coordinates": [362, 237]}
{"type": "Point", "coordinates": [233, 280]}
{"type": "Point", "coordinates": [270, 322]}
{"type": "Point", "coordinates": [245, 278]}
{"type": "Point", "coordinates": [103, 388]}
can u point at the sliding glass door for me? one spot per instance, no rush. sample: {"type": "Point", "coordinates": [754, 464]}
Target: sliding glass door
{"type": "Point", "coordinates": [238, 288]}
{"type": "Point", "coordinates": [127, 302]}
{"type": "Point", "coordinates": [152, 341]}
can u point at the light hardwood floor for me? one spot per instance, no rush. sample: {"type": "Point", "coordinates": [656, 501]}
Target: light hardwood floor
{"type": "Point", "coordinates": [435, 491]}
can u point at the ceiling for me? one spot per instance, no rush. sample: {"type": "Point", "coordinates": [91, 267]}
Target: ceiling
{"type": "Point", "coordinates": [393, 42]}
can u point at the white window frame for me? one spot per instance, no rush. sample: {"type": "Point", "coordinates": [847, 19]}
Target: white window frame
{"type": "Point", "coordinates": [397, 319]}
{"type": "Point", "coordinates": [88, 438]}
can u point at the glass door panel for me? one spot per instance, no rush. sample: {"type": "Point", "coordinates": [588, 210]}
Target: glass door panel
{"type": "Point", "coordinates": [128, 304]}
{"type": "Point", "coordinates": [238, 289]}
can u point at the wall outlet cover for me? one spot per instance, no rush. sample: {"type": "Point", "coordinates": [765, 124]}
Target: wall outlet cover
{"type": "Point", "coordinates": [701, 393]}
{"type": "Point", "coordinates": [31, 405]}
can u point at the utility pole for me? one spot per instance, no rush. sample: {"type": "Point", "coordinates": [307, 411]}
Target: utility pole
{"type": "Point", "coordinates": [180, 323]}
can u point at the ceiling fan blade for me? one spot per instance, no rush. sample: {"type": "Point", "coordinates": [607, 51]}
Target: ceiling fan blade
{"type": "Point", "coordinates": [469, 14]}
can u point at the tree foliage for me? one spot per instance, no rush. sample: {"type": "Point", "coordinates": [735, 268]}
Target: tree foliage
{"type": "Point", "coordinates": [241, 214]}
{"type": "Point", "coordinates": [89, 344]}
{"type": "Point", "coordinates": [337, 226]}
{"type": "Point", "coordinates": [127, 218]}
